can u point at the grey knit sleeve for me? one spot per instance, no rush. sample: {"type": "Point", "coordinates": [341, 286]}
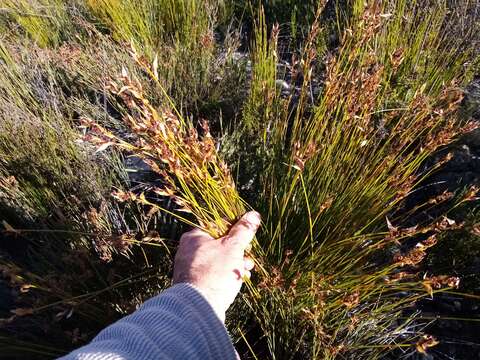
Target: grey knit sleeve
{"type": "Point", "coordinates": [177, 324]}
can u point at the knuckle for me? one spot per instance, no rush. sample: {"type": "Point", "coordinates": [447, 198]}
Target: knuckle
{"type": "Point", "coordinates": [226, 240]}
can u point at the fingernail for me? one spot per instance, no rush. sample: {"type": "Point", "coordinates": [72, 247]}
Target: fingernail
{"type": "Point", "coordinates": [246, 275]}
{"type": "Point", "coordinates": [253, 218]}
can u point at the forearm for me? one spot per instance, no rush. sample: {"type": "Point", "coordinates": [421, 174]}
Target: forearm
{"type": "Point", "coordinates": [177, 324]}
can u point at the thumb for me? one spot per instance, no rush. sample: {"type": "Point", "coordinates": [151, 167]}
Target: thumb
{"type": "Point", "coordinates": [242, 232]}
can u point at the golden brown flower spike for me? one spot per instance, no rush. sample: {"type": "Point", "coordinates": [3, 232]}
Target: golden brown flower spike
{"type": "Point", "coordinates": [173, 148]}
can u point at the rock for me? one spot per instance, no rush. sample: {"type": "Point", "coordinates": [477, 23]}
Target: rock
{"type": "Point", "coordinates": [472, 139]}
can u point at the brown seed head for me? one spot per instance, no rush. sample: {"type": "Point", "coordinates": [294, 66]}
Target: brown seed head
{"type": "Point", "coordinates": [426, 342]}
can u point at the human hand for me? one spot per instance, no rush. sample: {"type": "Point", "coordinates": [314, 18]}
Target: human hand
{"type": "Point", "coordinates": [216, 267]}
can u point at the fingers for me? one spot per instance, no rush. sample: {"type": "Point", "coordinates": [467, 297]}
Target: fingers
{"type": "Point", "coordinates": [248, 263]}
{"type": "Point", "coordinates": [242, 233]}
{"type": "Point", "coordinates": [241, 275]}
{"type": "Point", "coordinates": [196, 233]}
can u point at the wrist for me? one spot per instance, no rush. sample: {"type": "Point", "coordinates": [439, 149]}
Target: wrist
{"type": "Point", "coordinates": [210, 298]}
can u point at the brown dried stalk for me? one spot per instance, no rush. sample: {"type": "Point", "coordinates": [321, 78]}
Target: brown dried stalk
{"type": "Point", "coordinates": [195, 178]}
